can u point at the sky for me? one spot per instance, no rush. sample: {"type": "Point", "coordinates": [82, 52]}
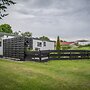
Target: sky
{"type": "Point", "coordinates": [68, 19]}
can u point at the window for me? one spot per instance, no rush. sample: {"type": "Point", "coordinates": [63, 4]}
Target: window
{"type": "Point", "coordinates": [39, 44]}
{"type": "Point", "coordinates": [0, 44]}
{"type": "Point", "coordinates": [44, 43]}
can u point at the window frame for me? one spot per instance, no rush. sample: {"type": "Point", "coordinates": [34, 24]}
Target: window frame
{"type": "Point", "coordinates": [39, 44]}
{"type": "Point", "coordinates": [44, 44]}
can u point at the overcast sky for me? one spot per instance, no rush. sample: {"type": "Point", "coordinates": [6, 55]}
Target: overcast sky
{"type": "Point", "coordinates": [70, 19]}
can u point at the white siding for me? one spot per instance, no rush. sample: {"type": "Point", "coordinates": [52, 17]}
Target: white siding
{"type": "Point", "coordinates": [2, 38]}
{"type": "Point", "coordinates": [49, 45]}
{"type": "Point", "coordinates": [1, 47]}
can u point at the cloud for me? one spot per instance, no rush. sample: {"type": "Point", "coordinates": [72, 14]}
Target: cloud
{"type": "Point", "coordinates": [68, 18]}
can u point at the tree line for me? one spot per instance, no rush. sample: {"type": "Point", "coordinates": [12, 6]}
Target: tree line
{"type": "Point", "coordinates": [6, 28]}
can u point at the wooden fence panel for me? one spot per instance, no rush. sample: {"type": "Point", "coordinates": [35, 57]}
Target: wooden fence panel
{"type": "Point", "coordinates": [46, 55]}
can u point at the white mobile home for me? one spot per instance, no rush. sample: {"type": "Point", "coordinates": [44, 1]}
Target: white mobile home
{"type": "Point", "coordinates": [35, 43]}
{"type": "Point", "coordinates": [42, 44]}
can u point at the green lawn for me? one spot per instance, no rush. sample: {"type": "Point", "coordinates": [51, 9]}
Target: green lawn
{"type": "Point", "coordinates": [52, 75]}
{"type": "Point", "coordinates": [84, 48]}
{"type": "Point", "coordinates": [81, 48]}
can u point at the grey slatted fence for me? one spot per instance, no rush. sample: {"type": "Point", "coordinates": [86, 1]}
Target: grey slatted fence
{"type": "Point", "coordinates": [14, 48]}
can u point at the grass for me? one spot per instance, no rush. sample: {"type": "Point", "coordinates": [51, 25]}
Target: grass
{"type": "Point", "coordinates": [86, 47]}
{"type": "Point", "coordinates": [52, 75]}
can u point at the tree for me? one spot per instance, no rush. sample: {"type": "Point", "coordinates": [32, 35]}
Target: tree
{"type": "Point", "coordinates": [58, 46]}
{"type": "Point", "coordinates": [16, 33]}
{"type": "Point", "coordinates": [3, 7]}
{"type": "Point", "coordinates": [5, 28]}
{"type": "Point", "coordinates": [27, 34]}
{"type": "Point", "coordinates": [44, 38]}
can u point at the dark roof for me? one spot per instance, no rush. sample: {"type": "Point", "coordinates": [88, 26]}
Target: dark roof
{"type": "Point", "coordinates": [43, 40]}
{"type": "Point", "coordinates": [8, 34]}
{"type": "Point", "coordinates": [82, 41]}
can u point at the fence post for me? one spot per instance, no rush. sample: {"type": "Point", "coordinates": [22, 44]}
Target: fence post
{"type": "Point", "coordinates": [70, 56]}
{"type": "Point", "coordinates": [48, 54]}
{"type": "Point", "coordinates": [87, 55]}
{"type": "Point", "coordinates": [40, 58]}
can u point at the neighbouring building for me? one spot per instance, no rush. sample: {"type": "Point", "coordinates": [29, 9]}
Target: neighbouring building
{"type": "Point", "coordinates": [83, 42]}
{"type": "Point", "coordinates": [67, 43]}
